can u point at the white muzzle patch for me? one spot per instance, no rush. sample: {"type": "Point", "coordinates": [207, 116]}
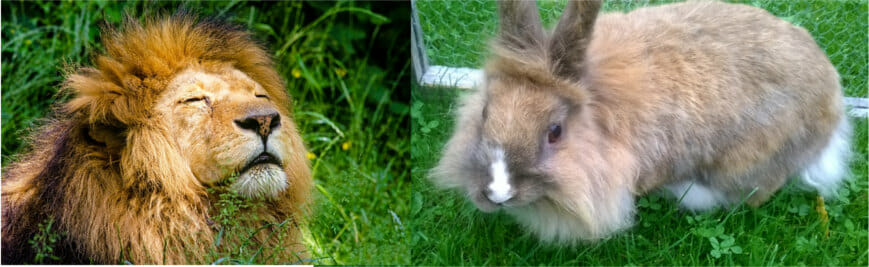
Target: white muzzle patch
{"type": "Point", "coordinates": [265, 180]}
{"type": "Point", "coordinates": [499, 189]}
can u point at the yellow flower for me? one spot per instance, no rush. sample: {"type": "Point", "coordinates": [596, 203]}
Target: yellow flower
{"type": "Point", "coordinates": [341, 72]}
{"type": "Point", "coordinates": [296, 73]}
{"type": "Point", "coordinates": [311, 155]}
{"type": "Point", "coordinates": [345, 145]}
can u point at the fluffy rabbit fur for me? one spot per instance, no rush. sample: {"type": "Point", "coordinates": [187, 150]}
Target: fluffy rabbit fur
{"type": "Point", "coordinates": [714, 102]}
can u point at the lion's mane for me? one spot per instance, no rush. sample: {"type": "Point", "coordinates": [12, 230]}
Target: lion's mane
{"type": "Point", "coordinates": [106, 171]}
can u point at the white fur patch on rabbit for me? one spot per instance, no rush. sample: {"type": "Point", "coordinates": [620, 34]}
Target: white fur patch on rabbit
{"type": "Point", "coordinates": [697, 197]}
{"type": "Point", "coordinates": [831, 167]}
{"type": "Point", "coordinates": [499, 189]}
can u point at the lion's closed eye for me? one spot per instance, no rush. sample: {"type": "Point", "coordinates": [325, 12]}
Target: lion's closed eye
{"type": "Point", "coordinates": [263, 96]}
{"type": "Point", "coordinates": [190, 100]}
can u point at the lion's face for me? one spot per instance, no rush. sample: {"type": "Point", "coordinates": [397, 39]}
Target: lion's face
{"type": "Point", "coordinates": [226, 124]}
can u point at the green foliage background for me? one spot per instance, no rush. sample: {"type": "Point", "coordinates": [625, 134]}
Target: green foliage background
{"type": "Point", "coordinates": [346, 65]}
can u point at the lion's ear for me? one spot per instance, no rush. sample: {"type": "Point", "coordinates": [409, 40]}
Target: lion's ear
{"type": "Point", "coordinates": [113, 138]}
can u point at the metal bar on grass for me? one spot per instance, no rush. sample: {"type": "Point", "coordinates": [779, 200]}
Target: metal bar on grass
{"type": "Point", "coordinates": [417, 46]}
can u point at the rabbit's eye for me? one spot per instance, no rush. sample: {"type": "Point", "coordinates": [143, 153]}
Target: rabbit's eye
{"type": "Point", "coordinates": [554, 133]}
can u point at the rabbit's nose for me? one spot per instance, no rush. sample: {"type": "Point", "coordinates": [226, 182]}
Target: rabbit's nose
{"type": "Point", "coordinates": [499, 192]}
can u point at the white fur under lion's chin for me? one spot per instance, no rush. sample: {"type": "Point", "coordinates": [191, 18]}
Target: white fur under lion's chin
{"type": "Point", "coordinates": [261, 181]}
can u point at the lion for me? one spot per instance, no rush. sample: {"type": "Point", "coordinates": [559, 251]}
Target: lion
{"type": "Point", "coordinates": [128, 167]}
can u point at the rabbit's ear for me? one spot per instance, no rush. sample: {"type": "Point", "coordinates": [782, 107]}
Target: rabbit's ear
{"type": "Point", "coordinates": [571, 37]}
{"type": "Point", "coordinates": [520, 25]}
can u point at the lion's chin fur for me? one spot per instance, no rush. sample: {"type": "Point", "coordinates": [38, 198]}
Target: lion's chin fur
{"type": "Point", "coordinates": [261, 181]}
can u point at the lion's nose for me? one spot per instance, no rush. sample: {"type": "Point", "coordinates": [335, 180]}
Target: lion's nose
{"type": "Point", "coordinates": [262, 124]}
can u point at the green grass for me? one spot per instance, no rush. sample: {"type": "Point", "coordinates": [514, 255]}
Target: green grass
{"type": "Point", "coordinates": [345, 64]}
{"type": "Point", "coordinates": [448, 230]}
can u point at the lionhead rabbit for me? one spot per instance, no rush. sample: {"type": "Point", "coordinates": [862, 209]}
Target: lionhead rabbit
{"type": "Point", "coordinates": [714, 102]}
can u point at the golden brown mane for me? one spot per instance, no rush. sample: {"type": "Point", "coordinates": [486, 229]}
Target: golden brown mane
{"type": "Point", "coordinates": [109, 174]}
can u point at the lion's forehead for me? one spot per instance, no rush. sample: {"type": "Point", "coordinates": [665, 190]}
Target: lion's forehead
{"type": "Point", "coordinates": [218, 85]}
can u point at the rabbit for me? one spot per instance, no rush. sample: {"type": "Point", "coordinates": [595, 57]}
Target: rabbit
{"type": "Point", "coordinates": [715, 103]}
